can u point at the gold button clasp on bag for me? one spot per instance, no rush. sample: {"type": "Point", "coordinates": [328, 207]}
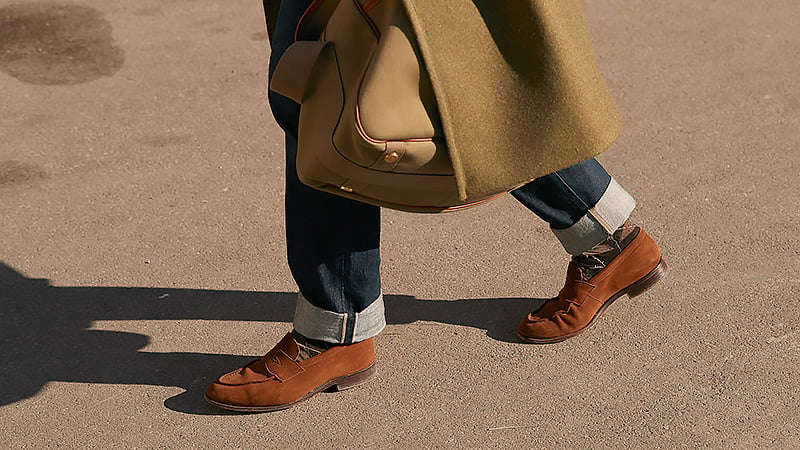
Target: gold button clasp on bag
{"type": "Point", "coordinates": [391, 158]}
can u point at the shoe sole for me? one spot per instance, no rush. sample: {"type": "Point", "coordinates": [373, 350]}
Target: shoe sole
{"type": "Point", "coordinates": [337, 384]}
{"type": "Point", "coordinates": [635, 289]}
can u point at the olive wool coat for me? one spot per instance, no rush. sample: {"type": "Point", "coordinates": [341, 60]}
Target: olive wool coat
{"type": "Point", "coordinates": [517, 86]}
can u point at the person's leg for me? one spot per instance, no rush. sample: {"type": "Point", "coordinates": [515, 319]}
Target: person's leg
{"type": "Point", "coordinates": [334, 256]}
{"type": "Point", "coordinates": [588, 212]}
{"type": "Point", "coordinates": [333, 251]}
{"type": "Point", "coordinates": [582, 204]}
{"type": "Point", "coordinates": [332, 242]}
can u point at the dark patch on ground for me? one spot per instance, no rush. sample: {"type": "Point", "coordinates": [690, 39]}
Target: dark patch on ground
{"type": "Point", "coordinates": [219, 30]}
{"type": "Point", "coordinates": [12, 172]}
{"type": "Point", "coordinates": [164, 140]}
{"type": "Point", "coordinates": [36, 120]}
{"type": "Point", "coordinates": [56, 44]}
{"type": "Point", "coordinates": [150, 11]}
{"type": "Point", "coordinates": [259, 36]}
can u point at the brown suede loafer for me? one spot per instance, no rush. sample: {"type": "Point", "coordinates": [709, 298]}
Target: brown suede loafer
{"type": "Point", "coordinates": [636, 268]}
{"type": "Point", "coordinates": [283, 378]}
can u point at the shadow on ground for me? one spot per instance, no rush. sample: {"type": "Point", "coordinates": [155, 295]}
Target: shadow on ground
{"type": "Point", "coordinates": [45, 332]}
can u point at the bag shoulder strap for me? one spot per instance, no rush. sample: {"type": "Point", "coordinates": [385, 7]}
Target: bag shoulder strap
{"type": "Point", "coordinates": [314, 20]}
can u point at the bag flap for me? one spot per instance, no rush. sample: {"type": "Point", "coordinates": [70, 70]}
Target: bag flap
{"type": "Point", "coordinates": [295, 68]}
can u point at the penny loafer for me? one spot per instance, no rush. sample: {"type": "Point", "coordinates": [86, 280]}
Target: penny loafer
{"type": "Point", "coordinates": [637, 268]}
{"type": "Point", "coordinates": [282, 378]}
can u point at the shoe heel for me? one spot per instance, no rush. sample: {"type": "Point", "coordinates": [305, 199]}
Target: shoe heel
{"type": "Point", "coordinates": [649, 280]}
{"type": "Point", "coordinates": [355, 379]}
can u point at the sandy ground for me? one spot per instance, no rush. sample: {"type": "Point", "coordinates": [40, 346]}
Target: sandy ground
{"type": "Point", "coordinates": [142, 253]}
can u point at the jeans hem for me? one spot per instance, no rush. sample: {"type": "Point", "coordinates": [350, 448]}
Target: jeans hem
{"type": "Point", "coordinates": [328, 326]}
{"type": "Point", "coordinates": [602, 219]}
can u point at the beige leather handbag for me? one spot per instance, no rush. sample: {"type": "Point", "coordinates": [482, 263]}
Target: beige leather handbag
{"type": "Point", "coordinates": [369, 126]}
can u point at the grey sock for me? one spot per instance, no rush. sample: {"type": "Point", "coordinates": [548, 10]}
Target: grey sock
{"type": "Point", "coordinates": [309, 347]}
{"type": "Point", "coordinates": [592, 261]}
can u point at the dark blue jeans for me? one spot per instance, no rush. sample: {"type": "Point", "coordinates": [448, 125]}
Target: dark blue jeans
{"type": "Point", "coordinates": [334, 243]}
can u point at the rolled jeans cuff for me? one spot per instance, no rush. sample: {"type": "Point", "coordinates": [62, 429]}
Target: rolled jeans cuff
{"type": "Point", "coordinates": [611, 211]}
{"type": "Point", "coordinates": [328, 326]}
